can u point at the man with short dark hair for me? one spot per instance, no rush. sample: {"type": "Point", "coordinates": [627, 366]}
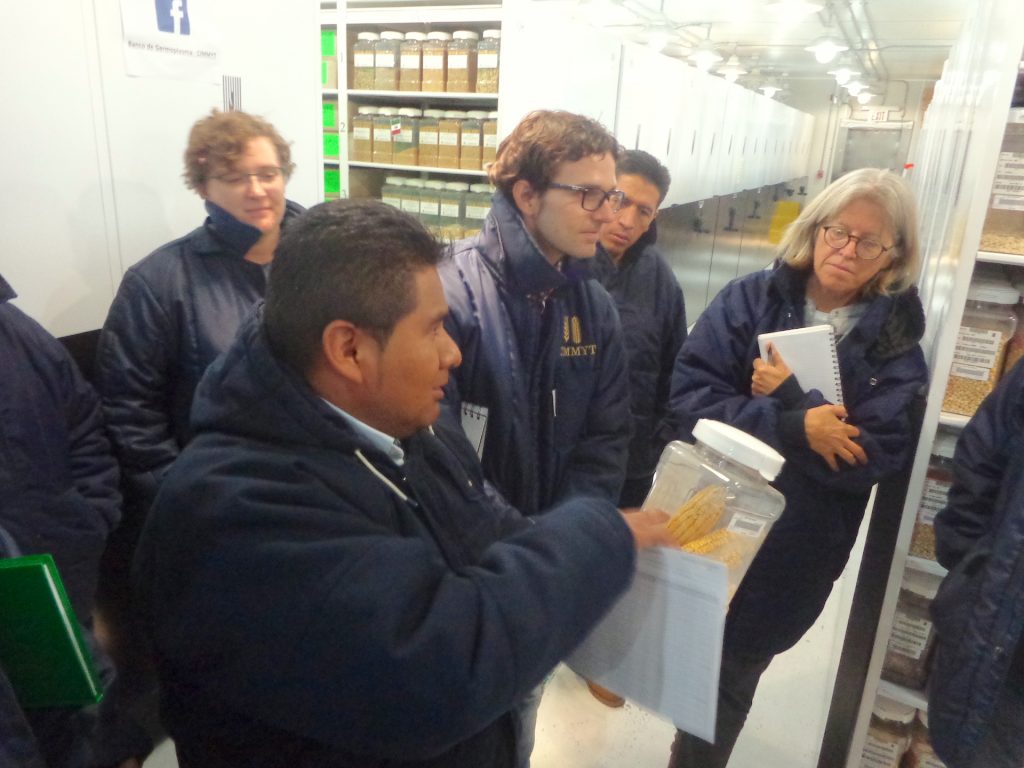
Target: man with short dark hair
{"type": "Point", "coordinates": [325, 581]}
{"type": "Point", "coordinates": [651, 308]}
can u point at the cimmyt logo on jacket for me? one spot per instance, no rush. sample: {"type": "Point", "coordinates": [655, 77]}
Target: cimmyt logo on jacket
{"type": "Point", "coordinates": [572, 331]}
{"type": "Point", "coordinates": [172, 16]}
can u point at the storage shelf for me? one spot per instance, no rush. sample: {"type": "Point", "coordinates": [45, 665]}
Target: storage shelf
{"type": "Point", "coordinates": [953, 420]}
{"type": "Point", "coordinates": [924, 565]}
{"type": "Point", "coordinates": [420, 168]}
{"type": "Point", "coordinates": [992, 257]}
{"type": "Point", "coordinates": [332, 161]}
{"type": "Point", "coordinates": [903, 694]}
{"type": "Point", "coordinates": [398, 14]}
{"type": "Point", "coordinates": [424, 95]}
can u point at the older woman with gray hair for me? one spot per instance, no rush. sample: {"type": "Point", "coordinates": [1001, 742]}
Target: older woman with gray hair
{"type": "Point", "coordinates": [849, 260]}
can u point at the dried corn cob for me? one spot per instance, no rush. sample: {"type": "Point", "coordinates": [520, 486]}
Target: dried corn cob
{"type": "Point", "coordinates": [698, 514]}
{"type": "Point", "coordinates": [723, 545]}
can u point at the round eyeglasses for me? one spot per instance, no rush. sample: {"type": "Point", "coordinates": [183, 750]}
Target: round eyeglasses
{"type": "Point", "coordinates": [266, 175]}
{"type": "Point", "coordinates": [838, 237]}
{"type": "Point", "coordinates": [592, 198]}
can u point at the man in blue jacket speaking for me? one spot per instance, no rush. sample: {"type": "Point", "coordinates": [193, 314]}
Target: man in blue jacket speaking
{"type": "Point", "coordinates": [325, 581]}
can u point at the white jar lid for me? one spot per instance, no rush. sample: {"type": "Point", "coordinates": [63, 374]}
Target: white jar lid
{"type": "Point", "coordinates": [944, 445]}
{"type": "Point", "coordinates": [920, 583]}
{"type": "Point", "coordinates": [367, 110]}
{"type": "Point", "coordinates": [739, 446]}
{"type": "Point", "coordinates": [492, 33]}
{"type": "Point", "coordinates": [398, 181]}
{"type": "Point", "coordinates": [492, 115]}
{"type": "Point", "coordinates": [457, 114]}
{"type": "Point", "coordinates": [433, 113]}
{"type": "Point", "coordinates": [390, 34]}
{"type": "Point", "coordinates": [456, 186]}
{"type": "Point", "coordinates": [484, 188]}
{"type": "Point", "coordinates": [434, 184]}
{"type": "Point", "coordinates": [887, 709]}
{"type": "Point", "coordinates": [439, 36]}
{"type": "Point", "coordinates": [421, 36]}
{"type": "Point", "coordinates": [477, 114]}
{"type": "Point", "coordinates": [465, 34]}
{"type": "Point", "coordinates": [993, 292]}
{"type": "Point", "coordinates": [409, 112]}
{"type": "Point", "coordinates": [415, 183]}
{"type": "Point", "coordinates": [367, 36]}
{"type": "Point", "coordinates": [387, 111]}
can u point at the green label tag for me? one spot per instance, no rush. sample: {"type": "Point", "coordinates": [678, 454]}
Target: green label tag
{"type": "Point", "coordinates": [328, 39]}
{"type": "Point", "coordinates": [332, 144]}
{"type": "Point", "coordinates": [330, 115]}
{"type": "Point", "coordinates": [332, 181]}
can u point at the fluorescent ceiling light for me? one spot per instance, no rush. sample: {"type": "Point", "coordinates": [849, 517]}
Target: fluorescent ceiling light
{"type": "Point", "coordinates": [826, 49]}
{"type": "Point", "coordinates": [704, 55]}
{"type": "Point", "coordinates": [864, 97]}
{"type": "Point", "coordinates": [732, 69]}
{"type": "Point", "coordinates": [855, 87]}
{"type": "Point", "coordinates": [843, 75]}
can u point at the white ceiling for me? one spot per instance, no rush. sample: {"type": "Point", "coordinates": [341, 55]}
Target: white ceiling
{"type": "Point", "coordinates": [890, 40]}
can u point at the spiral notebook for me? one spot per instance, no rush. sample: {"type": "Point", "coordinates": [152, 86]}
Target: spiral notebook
{"type": "Point", "coordinates": [811, 355]}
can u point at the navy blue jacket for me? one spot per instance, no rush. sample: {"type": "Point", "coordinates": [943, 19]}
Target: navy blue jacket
{"type": "Point", "coordinates": [542, 351]}
{"type": "Point", "coordinates": [882, 369]}
{"type": "Point", "coordinates": [653, 315]}
{"type": "Point", "coordinates": [303, 614]}
{"type": "Point", "coordinates": [979, 609]}
{"type": "Point", "coordinates": [174, 312]}
{"type": "Point", "coordinates": [58, 477]}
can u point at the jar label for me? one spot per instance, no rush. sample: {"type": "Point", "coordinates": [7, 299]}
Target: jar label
{"type": "Point", "coordinates": [382, 134]}
{"type": "Point", "coordinates": [972, 372]}
{"type": "Point", "coordinates": [433, 61]}
{"type": "Point", "coordinates": [882, 752]}
{"type": "Point", "coordinates": [385, 60]}
{"type": "Point", "coordinates": [430, 207]}
{"type": "Point", "coordinates": [410, 61]}
{"type": "Point", "coordinates": [458, 61]}
{"type": "Point", "coordinates": [391, 200]}
{"type": "Point", "coordinates": [747, 525]}
{"type": "Point", "coordinates": [933, 499]}
{"type": "Point", "coordinates": [909, 635]}
{"type": "Point", "coordinates": [428, 137]}
{"type": "Point", "coordinates": [977, 346]}
{"type": "Point", "coordinates": [410, 206]}
{"type": "Point", "coordinates": [450, 210]}
{"type": "Point", "coordinates": [405, 136]}
{"type": "Point", "coordinates": [471, 139]}
{"type": "Point", "coordinates": [448, 138]}
{"type": "Point", "coordinates": [363, 60]}
{"type": "Point", "coordinates": [487, 61]}
{"type": "Point", "coordinates": [477, 211]}
{"type": "Point", "coordinates": [361, 133]}
{"type": "Point", "coordinates": [491, 140]}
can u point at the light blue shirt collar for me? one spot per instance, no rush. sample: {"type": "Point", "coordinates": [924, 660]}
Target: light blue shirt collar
{"type": "Point", "coordinates": [386, 444]}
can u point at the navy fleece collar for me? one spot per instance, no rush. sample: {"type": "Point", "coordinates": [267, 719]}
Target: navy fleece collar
{"type": "Point", "coordinates": [6, 292]}
{"type": "Point", "coordinates": [235, 234]}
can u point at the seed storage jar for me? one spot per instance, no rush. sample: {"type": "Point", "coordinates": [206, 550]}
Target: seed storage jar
{"type": "Point", "coordinates": [988, 324]}
{"type": "Point", "coordinates": [391, 191]}
{"type": "Point", "coordinates": [428, 136]}
{"type": "Point", "coordinates": [478, 204]}
{"type": "Point", "coordinates": [912, 637]}
{"type": "Point", "coordinates": [888, 737]}
{"type": "Point", "coordinates": [471, 140]}
{"type": "Point", "coordinates": [406, 143]}
{"type": "Point", "coordinates": [488, 51]}
{"type": "Point", "coordinates": [718, 494]}
{"type": "Point", "coordinates": [936, 491]}
{"type": "Point", "coordinates": [385, 62]}
{"type": "Point", "coordinates": [489, 132]}
{"type": "Point", "coordinates": [435, 61]}
{"type": "Point", "coordinates": [363, 54]}
{"type": "Point", "coordinates": [430, 205]}
{"type": "Point", "coordinates": [453, 200]}
{"type": "Point", "coordinates": [449, 134]}
{"type": "Point", "coordinates": [921, 754]}
{"type": "Point", "coordinates": [462, 61]}
{"type": "Point", "coordinates": [1015, 349]}
{"type": "Point", "coordinates": [410, 70]}
{"type": "Point", "coordinates": [410, 194]}
{"type": "Point", "coordinates": [1003, 230]}
{"type": "Point", "coordinates": [362, 135]}
{"type": "Point", "coordinates": [384, 125]}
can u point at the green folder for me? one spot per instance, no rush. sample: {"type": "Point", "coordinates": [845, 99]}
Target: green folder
{"type": "Point", "coordinates": [41, 646]}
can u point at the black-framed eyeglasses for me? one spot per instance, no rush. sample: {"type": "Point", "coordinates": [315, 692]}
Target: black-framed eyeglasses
{"type": "Point", "coordinates": [266, 175]}
{"type": "Point", "coordinates": [592, 198]}
{"type": "Point", "coordinates": [867, 249]}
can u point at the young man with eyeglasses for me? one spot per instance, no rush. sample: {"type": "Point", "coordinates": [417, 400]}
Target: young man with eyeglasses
{"type": "Point", "coordinates": [543, 389]}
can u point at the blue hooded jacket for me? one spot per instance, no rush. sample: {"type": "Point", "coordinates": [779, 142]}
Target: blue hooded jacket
{"type": "Point", "coordinates": [882, 369]}
{"type": "Point", "coordinates": [303, 613]}
{"type": "Point", "coordinates": [979, 609]}
{"type": "Point", "coordinates": [542, 351]}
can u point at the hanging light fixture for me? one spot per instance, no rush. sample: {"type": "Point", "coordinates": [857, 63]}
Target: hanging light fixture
{"type": "Point", "coordinates": [732, 69]}
{"type": "Point", "coordinates": [855, 87]}
{"type": "Point", "coordinates": [704, 55]}
{"type": "Point", "coordinates": [864, 97]}
{"type": "Point", "coordinates": [826, 49]}
{"type": "Point", "coordinates": [843, 75]}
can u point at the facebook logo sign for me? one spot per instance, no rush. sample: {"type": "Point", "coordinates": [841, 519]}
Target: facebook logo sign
{"type": "Point", "coordinates": [172, 16]}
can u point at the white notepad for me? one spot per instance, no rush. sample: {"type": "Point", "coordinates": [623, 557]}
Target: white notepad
{"type": "Point", "coordinates": [811, 355]}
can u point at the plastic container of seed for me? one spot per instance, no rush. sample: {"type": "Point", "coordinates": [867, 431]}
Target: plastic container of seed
{"type": "Point", "coordinates": [435, 61]}
{"type": "Point", "coordinates": [719, 495]}
{"type": "Point", "coordinates": [410, 70]}
{"type": "Point", "coordinates": [889, 734]}
{"type": "Point", "coordinates": [387, 52]}
{"type": "Point", "coordinates": [910, 642]}
{"type": "Point", "coordinates": [471, 140]}
{"type": "Point", "coordinates": [363, 54]}
{"type": "Point", "coordinates": [1003, 230]}
{"type": "Point", "coordinates": [406, 143]}
{"type": "Point", "coordinates": [938, 479]}
{"type": "Point", "coordinates": [449, 135]}
{"type": "Point", "coordinates": [361, 149]}
{"type": "Point", "coordinates": [453, 204]}
{"type": "Point", "coordinates": [428, 136]}
{"type": "Point", "coordinates": [988, 323]}
{"type": "Point", "coordinates": [488, 52]}
{"type": "Point", "coordinates": [489, 133]}
{"type": "Point", "coordinates": [430, 205]}
{"type": "Point", "coordinates": [462, 61]}
{"type": "Point", "coordinates": [391, 191]}
{"type": "Point", "coordinates": [478, 204]}
{"type": "Point", "coordinates": [385, 123]}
